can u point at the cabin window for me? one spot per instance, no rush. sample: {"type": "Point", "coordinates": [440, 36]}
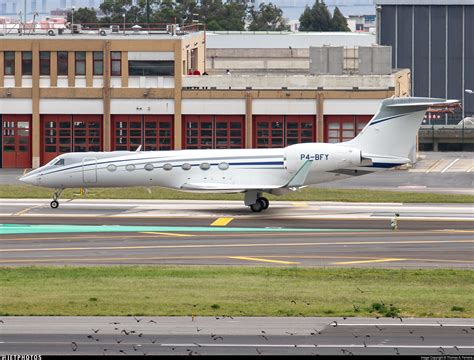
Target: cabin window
{"type": "Point", "coordinates": [149, 167]}
{"type": "Point", "coordinates": [205, 166]}
{"type": "Point", "coordinates": [130, 167]}
{"type": "Point", "coordinates": [223, 166]}
{"type": "Point", "coordinates": [111, 167]}
{"type": "Point", "coordinates": [186, 166]}
{"type": "Point", "coordinates": [167, 167]}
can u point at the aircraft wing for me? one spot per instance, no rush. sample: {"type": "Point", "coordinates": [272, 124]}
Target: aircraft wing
{"type": "Point", "coordinates": [297, 180]}
{"type": "Point", "coordinates": [226, 187]}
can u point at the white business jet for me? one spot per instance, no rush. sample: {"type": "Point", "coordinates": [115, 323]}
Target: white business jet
{"type": "Point", "coordinates": [386, 141]}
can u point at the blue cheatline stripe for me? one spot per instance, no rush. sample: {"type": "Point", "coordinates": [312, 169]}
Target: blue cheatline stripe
{"type": "Point", "coordinates": [388, 118]}
{"type": "Point", "coordinates": [384, 165]}
{"type": "Point", "coordinates": [159, 160]}
{"type": "Point", "coordinates": [10, 229]}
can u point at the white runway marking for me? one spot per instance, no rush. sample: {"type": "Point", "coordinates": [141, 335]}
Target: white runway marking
{"type": "Point", "coordinates": [450, 165]}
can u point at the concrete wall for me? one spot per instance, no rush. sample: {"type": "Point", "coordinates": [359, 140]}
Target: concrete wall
{"type": "Point", "coordinates": [375, 60]}
{"type": "Point", "coordinates": [275, 40]}
{"type": "Point", "coordinates": [326, 60]}
{"type": "Point", "coordinates": [292, 81]}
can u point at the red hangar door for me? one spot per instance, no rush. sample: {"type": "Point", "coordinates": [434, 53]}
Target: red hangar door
{"type": "Point", "coordinates": [213, 131]}
{"type": "Point", "coordinates": [340, 128]}
{"type": "Point", "coordinates": [69, 133]}
{"type": "Point", "coordinates": [153, 132]}
{"type": "Point", "coordinates": [276, 131]}
{"type": "Point", "coordinates": [16, 141]}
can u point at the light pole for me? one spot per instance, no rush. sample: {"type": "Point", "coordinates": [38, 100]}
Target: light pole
{"type": "Point", "coordinates": [72, 19]}
{"type": "Point", "coordinates": [123, 15]}
{"type": "Point", "coordinates": [470, 92]}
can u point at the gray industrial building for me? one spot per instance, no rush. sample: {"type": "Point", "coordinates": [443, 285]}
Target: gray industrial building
{"type": "Point", "coordinates": [435, 39]}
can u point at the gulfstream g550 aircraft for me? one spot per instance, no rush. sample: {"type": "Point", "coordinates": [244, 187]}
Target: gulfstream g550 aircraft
{"type": "Point", "coordinates": [386, 141]}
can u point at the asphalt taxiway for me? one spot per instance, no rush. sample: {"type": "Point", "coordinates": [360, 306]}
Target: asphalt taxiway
{"type": "Point", "coordinates": [106, 232]}
{"type": "Point", "coordinates": [235, 336]}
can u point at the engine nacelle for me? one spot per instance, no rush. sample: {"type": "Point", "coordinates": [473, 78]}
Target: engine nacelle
{"type": "Point", "coordinates": [325, 157]}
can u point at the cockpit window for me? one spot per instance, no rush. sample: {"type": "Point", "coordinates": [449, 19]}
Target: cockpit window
{"type": "Point", "coordinates": [58, 162]}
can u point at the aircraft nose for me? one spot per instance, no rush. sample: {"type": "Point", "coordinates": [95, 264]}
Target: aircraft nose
{"type": "Point", "coordinates": [28, 179]}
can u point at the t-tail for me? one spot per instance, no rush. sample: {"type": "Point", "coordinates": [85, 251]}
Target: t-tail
{"type": "Point", "coordinates": [389, 138]}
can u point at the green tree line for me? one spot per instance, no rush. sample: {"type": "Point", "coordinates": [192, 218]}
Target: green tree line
{"type": "Point", "coordinates": [217, 15]}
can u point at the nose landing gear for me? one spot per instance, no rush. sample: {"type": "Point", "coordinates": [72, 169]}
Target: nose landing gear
{"type": "Point", "coordinates": [55, 204]}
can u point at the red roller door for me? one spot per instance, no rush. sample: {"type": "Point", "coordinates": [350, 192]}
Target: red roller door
{"type": "Point", "coordinates": [69, 133]}
{"type": "Point", "coordinates": [16, 141]}
{"type": "Point", "coordinates": [339, 128]}
{"type": "Point", "coordinates": [275, 131]}
{"type": "Point", "coordinates": [153, 132]}
{"type": "Point", "coordinates": [213, 131]}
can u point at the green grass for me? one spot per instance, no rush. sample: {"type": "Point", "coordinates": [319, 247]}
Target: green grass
{"type": "Point", "coordinates": [307, 194]}
{"type": "Point", "coordinates": [235, 291]}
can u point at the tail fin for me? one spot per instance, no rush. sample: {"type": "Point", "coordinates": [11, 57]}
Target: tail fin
{"type": "Point", "coordinates": [390, 136]}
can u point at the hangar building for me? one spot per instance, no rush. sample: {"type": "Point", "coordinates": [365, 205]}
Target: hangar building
{"type": "Point", "coordinates": [87, 92]}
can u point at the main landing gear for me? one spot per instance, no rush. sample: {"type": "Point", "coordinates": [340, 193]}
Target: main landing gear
{"type": "Point", "coordinates": [262, 203]}
{"type": "Point", "coordinates": [256, 201]}
{"type": "Point", "coordinates": [55, 204]}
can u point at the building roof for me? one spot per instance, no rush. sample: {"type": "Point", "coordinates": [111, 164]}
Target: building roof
{"type": "Point", "coordinates": [424, 2]}
{"type": "Point", "coordinates": [275, 40]}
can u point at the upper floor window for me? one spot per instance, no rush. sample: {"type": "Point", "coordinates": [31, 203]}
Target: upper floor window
{"type": "Point", "coordinates": [80, 62]}
{"type": "Point", "coordinates": [26, 63]}
{"type": "Point", "coordinates": [45, 63]}
{"type": "Point", "coordinates": [62, 62]}
{"type": "Point", "coordinates": [9, 63]}
{"type": "Point", "coordinates": [151, 68]}
{"type": "Point", "coordinates": [98, 63]}
{"type": "Point", "coordinates": [116, 63]}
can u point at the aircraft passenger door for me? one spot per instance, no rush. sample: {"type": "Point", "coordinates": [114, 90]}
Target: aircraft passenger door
{"type": "Point", "coordinates": [89, 170]}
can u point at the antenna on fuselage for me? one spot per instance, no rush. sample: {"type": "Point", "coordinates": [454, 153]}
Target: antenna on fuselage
{"type": "Point", "coordinates": [139, 148]}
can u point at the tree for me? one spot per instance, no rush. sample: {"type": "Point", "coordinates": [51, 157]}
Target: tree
{"type": "Point", "coordinates": [83, 16]}
{"type": "Point", "coordinates": [338, 21]}
{"type": "Point", "coordinates": [316, 18]}
{"type": "Point", "coordinates": [268, 17]}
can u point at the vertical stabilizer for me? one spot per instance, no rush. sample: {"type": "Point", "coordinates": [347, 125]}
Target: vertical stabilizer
{"type": "Point", "coordinates": [391, 133]}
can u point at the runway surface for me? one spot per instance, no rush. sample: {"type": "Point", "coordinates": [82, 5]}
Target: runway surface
{"type": "Point", "coordinates": [106, 232]}
{"type": "Point", "coordinates": [235, 336]}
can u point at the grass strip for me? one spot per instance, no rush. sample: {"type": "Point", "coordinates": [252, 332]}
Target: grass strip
{"type": "Point", "coordinates": [235, 291]}
{"type": "Point", "coordinates": [307, 194]}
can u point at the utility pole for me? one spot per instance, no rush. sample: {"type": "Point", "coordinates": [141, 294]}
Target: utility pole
{"type": "Point", "coordinates": [148, 12]}
{"type": "Point", "coordinates": [24, 11]}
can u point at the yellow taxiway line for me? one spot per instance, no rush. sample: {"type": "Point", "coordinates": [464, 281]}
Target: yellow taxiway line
{"type": "Point", "coordinates": [202, 246]}
{"type": "Point", "coordinates": [263, 260]}
{"type": "Point", "coordinates": [223, 221]}
{"type": "Point", "coordinates": [366, 261]}
{"type": "Point", "coordinates": [165, 233]}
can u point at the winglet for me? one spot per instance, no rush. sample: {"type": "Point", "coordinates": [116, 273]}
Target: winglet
{"type": "Point", "coordinates": [300, 177]}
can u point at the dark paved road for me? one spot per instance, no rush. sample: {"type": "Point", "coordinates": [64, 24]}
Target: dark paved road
{"type": "Point", "coordinates": [235, 336]}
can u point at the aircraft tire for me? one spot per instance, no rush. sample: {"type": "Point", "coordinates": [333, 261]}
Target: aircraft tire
{"type": "Point", "coordinates": [54, 204]}
{"type": "Point", "coordinates": [265, 202]}
{"type": "Point", "coordinates": [257, 207]}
